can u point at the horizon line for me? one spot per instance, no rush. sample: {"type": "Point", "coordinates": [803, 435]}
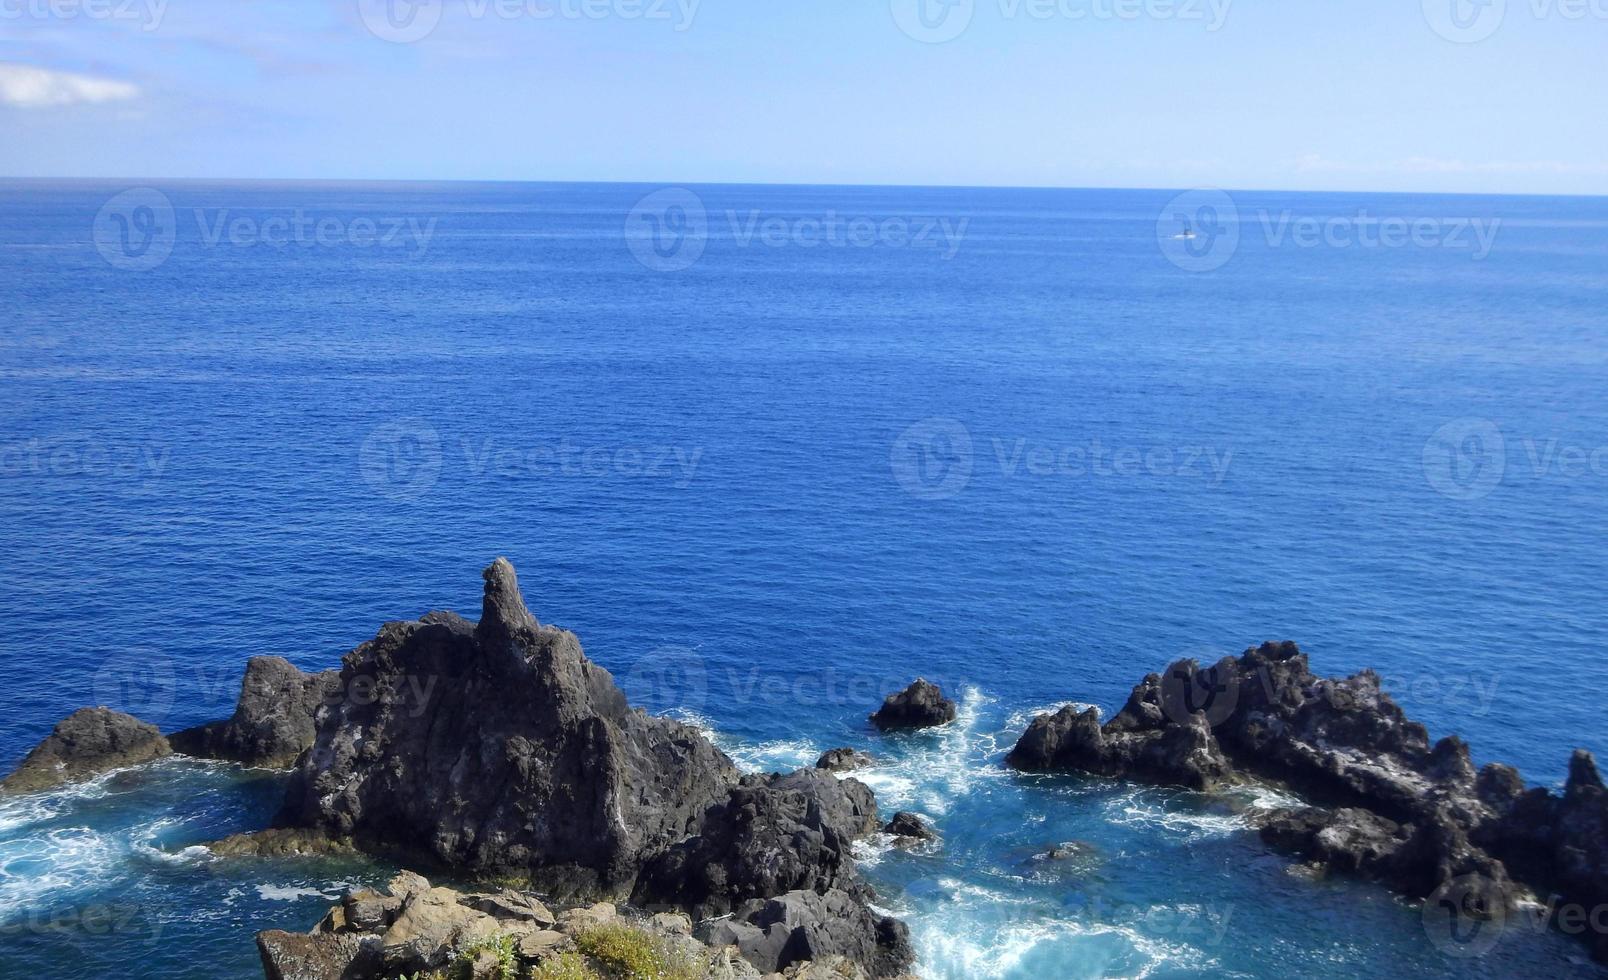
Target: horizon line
{"type": "Point", "coordinates": [801, 184]}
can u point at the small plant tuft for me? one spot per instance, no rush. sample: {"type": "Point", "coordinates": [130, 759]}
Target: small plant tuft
{"type": "Point", "coordinates": [626, 953]}
{"type": "Point", "coordinates": [502, 947]}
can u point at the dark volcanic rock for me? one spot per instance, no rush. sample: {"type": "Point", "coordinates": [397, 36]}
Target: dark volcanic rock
{"type": "Point", "coordinates": [1265, 714]}
{"type": "Point", "coordinates": [805, 926]}
{"type": "Point", "coordinates": [500, 748]}
{"type": "Point", "coordinates": [1560, 843]}
{"type": "Point", "coordinates": [774, 834]}
{"type": "Point", "coordinates": [843, 760]}
{"type": "Point", "coordinates": [1184, 755]}
{"type": "Point", "coordinates": [1394, 807]}
{"type": "Point", "coordinates": [86, 743]}
{"type": "Point", "coordinates": [274, 722]}
{"type": "Point", "coordinates": [905, 824]}
{"type": "Point", "coordinates": [921, 705]}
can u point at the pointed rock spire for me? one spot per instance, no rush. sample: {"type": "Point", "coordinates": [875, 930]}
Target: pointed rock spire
{"type": "Point", "coordinates": [503, 615]}
{"type": "Point", "coordinates": [1583, 772]}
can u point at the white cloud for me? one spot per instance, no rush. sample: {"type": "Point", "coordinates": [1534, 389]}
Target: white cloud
{"type": "Point", "coordinates": [28, 87]}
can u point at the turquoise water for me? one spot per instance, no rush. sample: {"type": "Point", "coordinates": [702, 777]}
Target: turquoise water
{"type": "Point", "coordinates": [770, 486]}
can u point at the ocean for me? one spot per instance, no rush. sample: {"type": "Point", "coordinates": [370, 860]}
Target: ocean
{"type": "Point", "coordinates": [773, 452]}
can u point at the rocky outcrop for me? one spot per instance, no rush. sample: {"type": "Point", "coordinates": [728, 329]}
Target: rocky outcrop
{"type": "Point", "coordinates": [843, 760]}
{"type": "Point", "coordinates": [806, 926]}
{"type": "Point", "coordinates": [415, 928]}
{"type": "Point", "coordinates": [500, 748]}
{"type": "Point", "coordinates": [921, 705]}
{"type": "Point", "coordinates": [910, 827]}
{"type": "Point", "coordinates": [274, 722]}
{"type": "Point", "coordinates": [1182, 755]}
{"type": "Point", "coordinates": [1390, 805]}
{"type": "Point", "coordinates": [774, 834]}
{"type": "Point", "coordinates": [1559, 843]}
{"type": "Point", "coordinates": [85, 744]}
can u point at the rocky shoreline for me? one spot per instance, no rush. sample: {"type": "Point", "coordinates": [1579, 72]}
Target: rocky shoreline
{"type": "Point", "coordinates": [1387, 804]}
{"type": "Point", "coordinates": [496, 750]}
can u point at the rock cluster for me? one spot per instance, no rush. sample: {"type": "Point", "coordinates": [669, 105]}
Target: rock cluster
{"type": "Point", "coordinates": [921, 705]}
{"type": "Point", "coordinates": [497, 748]}
{"type": "Point", "coordinates": [274, 721]}
{"type": "Point", "coordinates": [772, 835]}
{"type": "Point", "coordinates": [415, 928]}
{"type": "Point", "coordinates": [85, 744]}
{"type": "Point", "coordinates": [1389, 804]}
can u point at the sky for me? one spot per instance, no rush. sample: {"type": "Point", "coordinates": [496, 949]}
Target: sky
{"type": "Point", "coordinates": [1480, 96]}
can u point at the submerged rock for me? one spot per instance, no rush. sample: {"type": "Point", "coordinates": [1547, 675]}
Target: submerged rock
{"type": "Point", "coordinates": [274, 721]}
{"type": "Point", "coordinates": [500, 748]}
{"type": "Point", "coordinates": [843, 760]}
{"type": "Point", "coordinates": [905, 824]}
{"type": "Point", "coordinates": [921, 705]}
{"type": "Point", "coordinates": [87, 743]}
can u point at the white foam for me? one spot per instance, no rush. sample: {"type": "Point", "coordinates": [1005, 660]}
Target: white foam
{"type": "Point", "coordinates": [295, 893]}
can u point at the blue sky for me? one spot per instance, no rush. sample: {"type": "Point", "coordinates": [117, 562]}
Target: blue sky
{"type": "Point", "coordinates": [1302, 94]}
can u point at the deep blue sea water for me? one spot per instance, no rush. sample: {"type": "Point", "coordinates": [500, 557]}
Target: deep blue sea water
{"type": "Point", "coordinates": [772, 462]}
